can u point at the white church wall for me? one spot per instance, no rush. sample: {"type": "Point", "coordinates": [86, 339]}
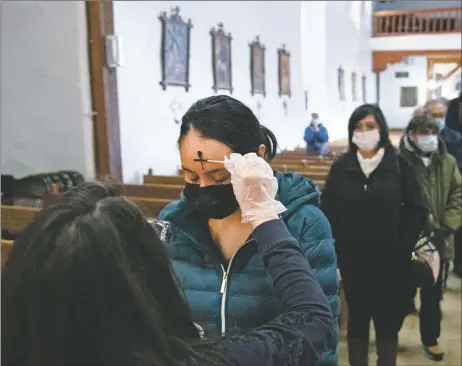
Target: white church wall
{"type": "Point", "coordinates": [337, 34]}
{"type": "Point", "coordinates": [148, 131]}
{"type": "Point", "coordinates": [449, 86]}
{"type": "Point", "coordinates": [45, 100]}
{"type": "Point", "coordinates": [390, 89]}
{"type": "Point", "coordinates": [430, 42]}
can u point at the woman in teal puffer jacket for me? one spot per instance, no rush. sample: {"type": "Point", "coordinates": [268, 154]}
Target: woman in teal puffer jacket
{"type": "Point", "coordinates": [228, 288]}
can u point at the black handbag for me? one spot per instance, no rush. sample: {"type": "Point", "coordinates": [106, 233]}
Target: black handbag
{"type": "Point", "coordinates": [425, 263]}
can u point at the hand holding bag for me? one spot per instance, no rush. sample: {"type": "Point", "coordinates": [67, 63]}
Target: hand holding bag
{"type": "Point", "coordinates": [425, 263]}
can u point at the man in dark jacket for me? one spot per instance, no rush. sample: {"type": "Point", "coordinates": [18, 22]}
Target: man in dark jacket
{"type": "Point", "coordinates": [442, 185]}
{"type": "Point", "coordinates": [452, 137]}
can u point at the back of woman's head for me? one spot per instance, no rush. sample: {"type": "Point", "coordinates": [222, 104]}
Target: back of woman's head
{"type": "Point", "coordinates": [231, 122]}
{"type": "Point", "coordinates": [89, 282]}
{"type": "Point", "coordinates": [360, 113]}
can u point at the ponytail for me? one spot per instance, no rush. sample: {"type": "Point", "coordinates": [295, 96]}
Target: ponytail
{"type": "Point", "coordinates": [270, 142]}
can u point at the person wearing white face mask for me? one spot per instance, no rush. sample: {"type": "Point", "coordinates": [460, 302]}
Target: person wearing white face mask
{"type": "Point", "coordinates": [316, 137]}
{"type": "Point", "coordinates": [376, 216]}
{"type": "Point", "coordinates": [441, 181]}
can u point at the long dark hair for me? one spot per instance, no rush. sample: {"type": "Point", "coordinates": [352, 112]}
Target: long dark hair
{"type": "Point", "coordinates": [363, 111]}
{"type": "Point", "coordinates": [231, 122]}
{"type": "Point", "coordinates": [89, 282]}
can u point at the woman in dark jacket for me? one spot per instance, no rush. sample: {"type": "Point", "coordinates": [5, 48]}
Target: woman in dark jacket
{"type": "Point", "coordinates": [213, 251]}
{"type": "Point", "coordinates": [376, 210]}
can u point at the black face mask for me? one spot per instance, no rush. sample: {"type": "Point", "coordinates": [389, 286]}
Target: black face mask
{"type": "Point", "coordinates": [214, 202]}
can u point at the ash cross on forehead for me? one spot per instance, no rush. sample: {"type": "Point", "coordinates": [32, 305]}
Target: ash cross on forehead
{"type": "Point", "coordinates": [200, 156]}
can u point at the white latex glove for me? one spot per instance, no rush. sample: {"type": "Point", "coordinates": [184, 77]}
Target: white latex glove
{"type": "Point", "coordinates": [254, 186]}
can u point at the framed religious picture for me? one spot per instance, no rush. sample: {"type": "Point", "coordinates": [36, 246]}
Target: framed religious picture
{"type": "Point", "coordinates": [175, 49]}
{"type": "Point", "coordinates": [257, 67]}
{"type": "Point", "coordinates": [221, 59]}
{"type": "Point", "coordinates": [284, 71]}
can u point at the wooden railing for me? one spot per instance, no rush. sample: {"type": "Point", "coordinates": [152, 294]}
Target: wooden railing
{"type": "Point", "coordinates": [423, 21]}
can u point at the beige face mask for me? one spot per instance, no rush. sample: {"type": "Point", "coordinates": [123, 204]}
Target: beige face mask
{"type": "Point", "coordinates": [366, 141]}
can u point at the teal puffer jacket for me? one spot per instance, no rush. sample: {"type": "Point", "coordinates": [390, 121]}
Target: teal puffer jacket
{"type": "Point", "coordinates": [245, 298]}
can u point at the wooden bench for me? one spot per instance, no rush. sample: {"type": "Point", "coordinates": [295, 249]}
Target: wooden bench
{"type": "Point", "coordinates": [306, 162]}
{"type": "Point", "coordinates": [300, 167]}
{"type": "Point", "coordinates": [14, 218]}
{"type": "Point", "coordinates": [151, 207]}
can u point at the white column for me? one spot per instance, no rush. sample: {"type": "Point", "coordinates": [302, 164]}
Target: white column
{"type": "Point", "coordinates": [313, 25]}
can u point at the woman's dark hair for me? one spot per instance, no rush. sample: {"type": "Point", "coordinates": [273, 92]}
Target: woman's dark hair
{"type": "Point", "coordinates": [422, 124]}
{"type": "Point", "coordinates": [89, 282]}
{"type": "Point", "coordinates": [231, 122]}
{"type": "Point", "coordinates": [363, 111]}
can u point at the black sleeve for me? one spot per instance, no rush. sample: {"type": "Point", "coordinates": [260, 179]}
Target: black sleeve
{"type": "Point", "coordinates": [328, 200]}
{"type": "Point", "coordinates": [414, 214]}
{"type": "Point", "coordinates": [299, 336]}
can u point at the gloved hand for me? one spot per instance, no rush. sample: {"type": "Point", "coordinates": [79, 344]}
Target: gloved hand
{"type": "Point", "coordinates": [254, 186]}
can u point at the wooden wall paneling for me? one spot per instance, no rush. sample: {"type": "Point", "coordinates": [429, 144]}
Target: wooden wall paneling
{"type": "Point", "coordinates": [108, 159]}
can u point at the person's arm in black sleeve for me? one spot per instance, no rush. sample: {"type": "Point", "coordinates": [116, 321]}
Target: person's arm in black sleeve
{"type": "Point", "coordinates": [328, 202]}
{"type": "Point", "coordinates": [414, 215]}
{"type": "Point", "coordinates": [301, 332]}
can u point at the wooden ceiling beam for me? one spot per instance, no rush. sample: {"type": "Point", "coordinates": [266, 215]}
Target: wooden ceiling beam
{"type": "Point", "coordinates": [381, 59]}
{"type": "Point", "coordinates": [453, 71]}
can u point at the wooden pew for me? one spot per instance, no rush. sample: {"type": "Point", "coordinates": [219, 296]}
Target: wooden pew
{"type": "Point", "coordinates": [15, 218]}
{"type": "Point", "coordinates": [163, 179]}
{"type": "Point", "coordinates": [6, 248]}
{"type": "Point", "coordinates": [282, 160]}
{"type": "Point", "coordinates": [300, 167]}
{"type": "Point", "coordinates": [151, 207]}
{"type": "Point", "coordinates": [151, 190]}
{"type": "Point", "coordinates": [177, 180]}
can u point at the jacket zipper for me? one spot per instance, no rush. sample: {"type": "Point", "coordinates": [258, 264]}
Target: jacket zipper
{"type": "Point", "coordinates": [224, 290]}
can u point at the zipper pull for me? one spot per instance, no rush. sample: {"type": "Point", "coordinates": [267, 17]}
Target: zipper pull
{"type": "Point", "coordinates": [365, 187]}
{"type": "Point", "coordinates": [224, 282]}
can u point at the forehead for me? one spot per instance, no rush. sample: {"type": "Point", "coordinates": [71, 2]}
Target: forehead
{"type": "Point", "coordinates": [192, 143]}
{"type": "Point", "coordinates": [436, 107]}
{"type": "Point", "coordinates": [368, 119]}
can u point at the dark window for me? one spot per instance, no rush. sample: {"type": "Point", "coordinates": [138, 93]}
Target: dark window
{"type": "Point", "coordinates": [408, 96]}
{"type": "Point", "coordinates": [401, 74]}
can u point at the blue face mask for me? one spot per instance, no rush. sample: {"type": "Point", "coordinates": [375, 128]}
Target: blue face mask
{"type": "Point", "coordinates": [440, 122]}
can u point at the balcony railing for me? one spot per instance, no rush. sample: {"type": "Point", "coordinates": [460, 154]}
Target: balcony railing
{"type": "Point", "coordinates": [423, 21]}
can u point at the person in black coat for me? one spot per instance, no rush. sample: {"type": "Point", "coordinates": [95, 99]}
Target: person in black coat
{"type": "Point", "coordinates": [452, 137]}
{"type": "Point", "coordinates": [377, 211]}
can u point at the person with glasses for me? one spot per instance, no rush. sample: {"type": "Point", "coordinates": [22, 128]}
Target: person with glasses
{"type": "Point", "coordinates": [441, 181]}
